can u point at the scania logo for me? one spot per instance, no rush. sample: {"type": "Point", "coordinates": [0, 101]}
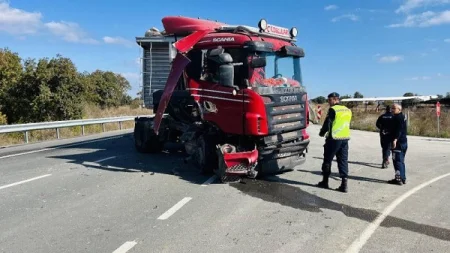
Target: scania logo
{"type": "Point", "coordinates": [223, 39]}
{"type": "Point", "coordinates": [285, 99]}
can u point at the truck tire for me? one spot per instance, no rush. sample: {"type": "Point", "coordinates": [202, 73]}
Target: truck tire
{"type": "Point", "coordinates": [207, 149]}
{"type": "Point", "coordinates": [145, 139]}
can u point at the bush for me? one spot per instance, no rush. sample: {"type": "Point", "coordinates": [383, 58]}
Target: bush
{"type": "Point", "coordinates": [3, 119]}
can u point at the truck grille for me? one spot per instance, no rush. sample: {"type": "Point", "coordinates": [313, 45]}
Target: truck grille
{"type": "Point", "coordinates": [286, 116]}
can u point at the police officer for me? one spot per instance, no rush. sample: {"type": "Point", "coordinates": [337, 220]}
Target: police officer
{"type": "Point", "coordinates": [399, 145]}
{"type": "Point", "coordinates": [337, 130]}
{"type": "Point", "coordinates": [384, 124]}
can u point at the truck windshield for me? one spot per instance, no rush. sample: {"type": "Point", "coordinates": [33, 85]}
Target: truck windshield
{"type": "Point", "coordinates": [278, 72]}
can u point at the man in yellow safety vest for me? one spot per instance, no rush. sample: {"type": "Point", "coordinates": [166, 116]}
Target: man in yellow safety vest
{"type": "Point", "coordinates": [337, 130]}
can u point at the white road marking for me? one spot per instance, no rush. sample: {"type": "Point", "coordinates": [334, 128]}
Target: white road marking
{"type": "Point", "coordinates": [105, 159]}
{"type": "Point", "coordinates": [24, 181]}
{"type": "Point", "coordinates": [26, 153]}
{"type": "Point", "coordinates": [357, 245]}
{"type": "Point", "coordinates": [125, 247]}
{"type": "Point", "coordinates": [175, 208]}
{"type": "Point", "coordinates": [63, 146]}
{"type": "Point", "coordinates": [210, 180]}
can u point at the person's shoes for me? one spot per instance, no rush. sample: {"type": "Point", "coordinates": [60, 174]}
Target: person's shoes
{"type": "Point", "coordinates": [343, 187]}
{"type": "Point", "coordinates": [323, 183]}
{"type": "Point", "coordinates": [385, 164]}
{"type": "Point", "coordinates": [395, 181]}
{"type": "Point", "coordinates": [404, 181]}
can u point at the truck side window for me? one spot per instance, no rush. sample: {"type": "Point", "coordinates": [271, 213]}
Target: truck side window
{"type": "Point", "coordinates": [195, 67]}
{"type": "Point", "coordinates": [240, 71]}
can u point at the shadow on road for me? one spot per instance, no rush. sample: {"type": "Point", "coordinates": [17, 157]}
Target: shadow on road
{"type": "Point", "coordinates": [336, 176]}
{"type": "Point", "coordinates": [128, 160]}
{"type": "Point", "coordinates": [277, 191]}
{"type": "Point", "coordinates": [372, 165]}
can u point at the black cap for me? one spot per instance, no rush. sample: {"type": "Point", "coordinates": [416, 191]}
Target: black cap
{"type": "Point", "coordinates": [333, 94]}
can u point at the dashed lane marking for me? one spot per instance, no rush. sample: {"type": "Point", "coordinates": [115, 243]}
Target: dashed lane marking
{"type": "Point", "coordinates": [125, 247]}
{"type": "Point", "coordinates": [174, 209]}
{"type": "Point", "coordinates": [24, 181]}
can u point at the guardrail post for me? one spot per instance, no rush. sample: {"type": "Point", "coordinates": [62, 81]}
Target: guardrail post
{"type": "Point", "coordinates": [120, 125]}
{"type": "Point", "coordinates": [103, 127]}
{"type": "Point", "coordinates": [82, 130]}
{"type": "Point", "coordinates": [26, 136]}
{"type": "Point", "coordinates": [57, 133]}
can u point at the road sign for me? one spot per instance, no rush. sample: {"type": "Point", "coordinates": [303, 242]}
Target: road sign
{"type": "Point", "coordinates": [438, 109]}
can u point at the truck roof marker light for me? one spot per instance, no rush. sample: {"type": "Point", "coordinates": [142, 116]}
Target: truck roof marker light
{"type": "Point", "coordinates": [262, 24]}
{"type": "Point", "coordinates": [294, 32]}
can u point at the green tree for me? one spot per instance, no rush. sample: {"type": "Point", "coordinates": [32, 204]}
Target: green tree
{"type": "Point", "coordinates": [407, 103]}
{"type": "Point", "coordinates": [48, 90]}
{"type": "Point", "coordinates": [358, 95]}
{"type": "Point", "coordinates": [319, 100]}
{"type": "Point", "coordinates": [53, 89]}
{"type": "Point", "coordinates": [10, 69]}
{"type": "Point", "coordinates": [107, 89]}
{"type": "Point", "coordinates": [10, 74]}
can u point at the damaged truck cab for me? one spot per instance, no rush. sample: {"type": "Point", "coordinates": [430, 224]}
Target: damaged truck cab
{"type": "Point", "coordinates": [234, 97]}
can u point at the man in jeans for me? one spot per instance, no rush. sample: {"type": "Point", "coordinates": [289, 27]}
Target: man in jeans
{"type": "Point", "coordinates": [384, 124]}
{"type": "Point", "coordinates": [399, 145]}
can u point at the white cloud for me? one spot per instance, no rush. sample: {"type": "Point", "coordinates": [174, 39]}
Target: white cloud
{"type": "Point", "coordinates": [410, 5]}
{"type": "Point", "coordinates": [117, 40]}
{"type": "Point", "coordinates": [417, 78]}
{"type": "Point", "coordinates": [21, 22]}
{"type": "Point", "coordinates": [70, 32]}
{"type": "Point", "coordinates": [352, 17]}
{"type": "Point", "coordinates": [131, 76]}
{"type": "Point", "coordinates": [331, 7]}
{"type": "Point", "coordinates": [447, 40]}
{"type": "Point", "coordinates": [16, 21]}
{"type": "Point", "coordinates": [425, 19]}
{"type": "Point", "coordinates": [390, 58]}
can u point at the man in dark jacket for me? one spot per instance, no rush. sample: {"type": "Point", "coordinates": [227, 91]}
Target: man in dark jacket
{"type": "Point", "coordinates": [384, 124]}
{"type": "Point", "coordinates": [336, 128]}
{"type": "Point", "coordinates": [399, 145]}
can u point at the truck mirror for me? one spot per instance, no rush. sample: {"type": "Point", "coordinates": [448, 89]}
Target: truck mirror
{"type": "Point", "coordinates": [226, 75]}
{"type": "Point", "coordinates": [259, 62]}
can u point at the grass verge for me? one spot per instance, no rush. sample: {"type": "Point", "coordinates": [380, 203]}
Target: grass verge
{"type": "Point", "coordinates": [422, 121]}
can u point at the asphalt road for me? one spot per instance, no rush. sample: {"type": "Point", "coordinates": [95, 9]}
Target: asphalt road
{"type": "Point", "coordinates": [100, 195]}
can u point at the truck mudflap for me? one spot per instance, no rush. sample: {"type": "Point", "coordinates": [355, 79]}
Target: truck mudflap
{"type": "Point", "coordinates": [234, 165]}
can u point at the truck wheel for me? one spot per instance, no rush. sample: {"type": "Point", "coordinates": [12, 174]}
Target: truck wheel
{"type": "Point", "coordinates": [145, 139]}
{"type": "Point", "coordinates": [207, 159]}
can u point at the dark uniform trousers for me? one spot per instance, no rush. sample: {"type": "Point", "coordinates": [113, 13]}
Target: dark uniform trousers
{"type": "Point", "coordinates": [338, 148]}
{"type": "Point", "coordinates": [386, 144]}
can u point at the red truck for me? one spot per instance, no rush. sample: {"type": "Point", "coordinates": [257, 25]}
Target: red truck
{"type": "Point", "coordinates": [232, 95]}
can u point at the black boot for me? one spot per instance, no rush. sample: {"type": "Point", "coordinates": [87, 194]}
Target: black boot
{"type": "Point", "coordinates": [343, 187]}
{"type": "Point", "coordinates": [324, 183]}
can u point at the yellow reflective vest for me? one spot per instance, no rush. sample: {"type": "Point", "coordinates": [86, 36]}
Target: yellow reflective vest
{"type": "Point", "coordinates": [340, 128]}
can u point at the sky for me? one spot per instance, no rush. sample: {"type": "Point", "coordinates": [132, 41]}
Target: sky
{"type": "Point", "coordinates": [376, 47]}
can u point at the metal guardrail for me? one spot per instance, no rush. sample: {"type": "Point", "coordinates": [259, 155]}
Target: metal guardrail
{"type": "Point", "coordinates": [25, 128]}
